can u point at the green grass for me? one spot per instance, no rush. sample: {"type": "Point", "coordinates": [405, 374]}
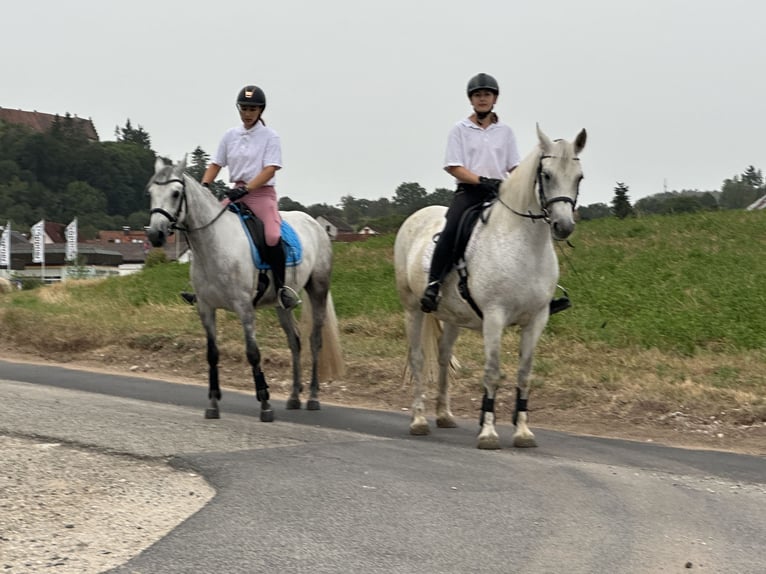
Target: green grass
{"type": "Point", "coordinates": [679, 283]}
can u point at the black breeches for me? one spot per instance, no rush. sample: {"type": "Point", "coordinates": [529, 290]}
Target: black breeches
{"type": "Point", "coordinates": [450, 247]}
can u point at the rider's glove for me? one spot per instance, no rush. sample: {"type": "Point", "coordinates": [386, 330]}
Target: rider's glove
{"type": "Point", "coordinates": [490, 184]}
{"type": "Point", "coordinates": [236, 193]}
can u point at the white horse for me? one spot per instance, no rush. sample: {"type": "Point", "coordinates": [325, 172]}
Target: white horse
{"type": "Point", "coordinates": [224, 276]}
{"type": "Point", "coordinates": [512, 276]}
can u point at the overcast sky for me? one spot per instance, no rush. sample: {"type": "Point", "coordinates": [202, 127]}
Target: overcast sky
{"type": "Point", "coordinates": [671, 92]}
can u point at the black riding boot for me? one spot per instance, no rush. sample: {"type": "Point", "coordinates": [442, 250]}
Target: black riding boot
{"type": "Point", "coordinates": [440, 261]}
{"type": "Point", "coordinates": [275, 257]}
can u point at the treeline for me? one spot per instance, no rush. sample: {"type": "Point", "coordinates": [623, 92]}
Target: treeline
{"type": "Point", "coordinates": [738, 192]}
{"type": "Point", "coordinates": [60, 174]}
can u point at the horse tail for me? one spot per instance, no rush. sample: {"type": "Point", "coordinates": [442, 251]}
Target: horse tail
{"type": "Point", "coordinates": [430, 335]}
{"type": "Point", "coordinates": [330, 364]}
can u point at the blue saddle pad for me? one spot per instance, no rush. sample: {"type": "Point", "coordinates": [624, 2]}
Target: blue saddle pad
{"type": "Point", "coordinates": [290, 241]}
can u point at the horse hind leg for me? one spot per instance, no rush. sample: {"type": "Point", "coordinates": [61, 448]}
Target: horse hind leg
{"type": "Point", "coordinates": [318, 304]}
{"type": "Point", "coordinates": [444, 417]}
{"type": "Point", "coordinates": [416, 360]}
{"type": "Point", "coordinates": [287, 322]}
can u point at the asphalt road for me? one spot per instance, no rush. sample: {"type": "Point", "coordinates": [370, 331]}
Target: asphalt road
{"type": "Point", "coordinates": [348, 490]}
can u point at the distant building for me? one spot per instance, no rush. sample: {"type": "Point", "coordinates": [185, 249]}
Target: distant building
{"type": "Point", "coordinates": [42, 123]}
{"type": "Point", "coordinates": [335, 226]}
{"type": "Point", "coordinates": [113, 253]}
{"type": "Point", "coordinates": [757, 204]}
{"type": "Point", "coordinates": [367, 230]}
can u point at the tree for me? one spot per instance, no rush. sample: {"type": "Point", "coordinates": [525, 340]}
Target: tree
{"type": "Point", "coordinates": [742, 190]}
{"type": "Point", "coordinates": [440, 196]}
{"type": "Point", "coordinates": [594, 211]}
{"type": "Point", "coordinates": [410, 197]}
{"type": "Point", "coordinates": [621, 207]}
{"type": "Point", "coordinates": [287, 204]}
{"type": "Point", "coordinates": [129, 134]}
{"type": "Point", "coordinates": [198, 165]}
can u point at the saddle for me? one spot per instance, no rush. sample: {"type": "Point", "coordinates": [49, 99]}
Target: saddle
{"type": "Point", "coordinates": [255, 233]}
{"type": "Point", "coordinates": [468, 221]}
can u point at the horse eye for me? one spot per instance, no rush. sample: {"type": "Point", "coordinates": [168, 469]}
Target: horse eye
{"type": "Point", "coordinates": [176, 194]}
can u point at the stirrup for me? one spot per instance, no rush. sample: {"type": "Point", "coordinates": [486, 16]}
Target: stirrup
{"type": "Point", "coordinates": [560, 304]}
{"type": "Point", "coordinates": [190, 298]}
{"type": "Point", "coordinates": [288, 298]}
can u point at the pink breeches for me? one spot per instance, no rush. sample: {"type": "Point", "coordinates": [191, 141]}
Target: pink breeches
{"type": "Point", "coordinates": [263, 203]}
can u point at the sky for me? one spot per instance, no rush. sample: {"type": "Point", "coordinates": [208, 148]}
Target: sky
{"type": "Point", "coordinates": [364, 92]}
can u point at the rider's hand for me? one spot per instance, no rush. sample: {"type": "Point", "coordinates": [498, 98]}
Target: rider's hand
{"type": "Point", "coordinates": [490, 184]}
{"type": "Point", "coordinates": [236, 193]}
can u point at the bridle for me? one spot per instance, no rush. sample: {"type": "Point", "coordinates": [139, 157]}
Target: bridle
{"type": "Point", "coordinates": [545, 203]}
{"type": "Point", "coordinates": [174, 218]}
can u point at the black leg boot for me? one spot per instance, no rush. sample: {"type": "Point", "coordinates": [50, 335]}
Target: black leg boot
{"type": "Point", "coordinates": [275, 256]}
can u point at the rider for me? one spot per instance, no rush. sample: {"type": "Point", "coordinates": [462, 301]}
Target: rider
{"type": "Point", "coordinates": [481, 152]}
{"type": "Point", "coordinates": [253, 154]}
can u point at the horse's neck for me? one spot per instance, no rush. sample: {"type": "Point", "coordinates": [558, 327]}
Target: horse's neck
{"type": "Point", "coordinates": [519, 192]}
{"type": "Point", "coordinates": [204, 215]}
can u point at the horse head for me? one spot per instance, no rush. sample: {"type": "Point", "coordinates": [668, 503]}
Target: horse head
{"type": "Point", "coordinates": [558, 181]}
{"type": "Point", "coordinates": [167, 190]}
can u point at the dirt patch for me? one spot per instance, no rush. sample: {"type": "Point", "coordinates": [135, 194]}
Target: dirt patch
{"type": "Point", "coordinates": [375, 383]}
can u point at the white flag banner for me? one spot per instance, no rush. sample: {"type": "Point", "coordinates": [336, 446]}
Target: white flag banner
{"type": "Point", "coordinates": [71, 241]}
{"type": "Point", "coordinates": [5, 246]}
{"type": "Point", "coordinates": [38, 242]}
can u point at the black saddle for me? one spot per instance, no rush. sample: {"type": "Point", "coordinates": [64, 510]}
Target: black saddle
{"type": "Point", "coordinates": [252, 223]}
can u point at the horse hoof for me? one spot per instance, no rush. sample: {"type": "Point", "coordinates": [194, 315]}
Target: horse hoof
{"type": "Point", "coordinates": [446, 423]}
{"type": "Point", "coordinates": [312, 405]}
{"type": "Point", "coordinates": [488, 443]}
{"type": "Point", "coordinates": [212, 414]}
{"type": "Point", "coordinates": [419, 429]}
{"type": "Point", "coordinates": [267, 416]}
{"type": "Point", "coordinates": [524, 441]}
{"type": "Point", "coordinates": [293, 404]}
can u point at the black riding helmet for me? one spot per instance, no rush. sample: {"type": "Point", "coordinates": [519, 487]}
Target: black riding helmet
{"type": "Point", "coordinates": [251, 96]}
{"type": "Point", "coordinates": [482, 82]}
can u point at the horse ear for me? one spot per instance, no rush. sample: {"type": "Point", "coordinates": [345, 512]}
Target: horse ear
{"type": "Point", "coordinates": [181, 167]}
{"type": "Point", "coordinates": [159, 163]}
{"type": "Point", "coordinates": [580, 141]}
{"type": "Point", "coordinates": [545, 142]}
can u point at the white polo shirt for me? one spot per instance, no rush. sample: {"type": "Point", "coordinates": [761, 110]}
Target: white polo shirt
{"type": "Point", "coordinates": [489, 152]}
{"type": "Point", "coordinates": [247, 152]}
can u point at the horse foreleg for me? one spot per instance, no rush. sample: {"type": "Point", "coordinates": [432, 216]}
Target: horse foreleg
{"type": "Point", "coordinates": [254, 358]}
{"type": "Point", "coordinates": [207, 317]}
{"type": "Point", "coordinates": [523, 437]}
{"type": "Point", "coordinates": [444, 417]}
{"type": "Point", "coordinates": [294, 343]}
{"type": "Point", "coordinates": [414, 323]}
{"type": "Point", "coordinates": [492, 333]}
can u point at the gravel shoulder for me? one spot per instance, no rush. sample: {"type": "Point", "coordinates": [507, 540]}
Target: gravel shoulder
{"type": "Point", "coordinates": [69, 510]}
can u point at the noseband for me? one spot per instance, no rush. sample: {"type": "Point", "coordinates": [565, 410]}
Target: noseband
{"type": "Point", "coordinates": [545, 203]}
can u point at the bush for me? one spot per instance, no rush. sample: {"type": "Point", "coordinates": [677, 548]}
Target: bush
{"type": "Point", "coordinates": [155, 257]}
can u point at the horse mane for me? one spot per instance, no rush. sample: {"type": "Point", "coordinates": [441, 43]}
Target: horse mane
{"type": "Point", "coordinates": [520, 185]}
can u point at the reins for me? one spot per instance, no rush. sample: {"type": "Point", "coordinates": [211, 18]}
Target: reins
{"type": "Point", "coordinates": [183, 204]}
